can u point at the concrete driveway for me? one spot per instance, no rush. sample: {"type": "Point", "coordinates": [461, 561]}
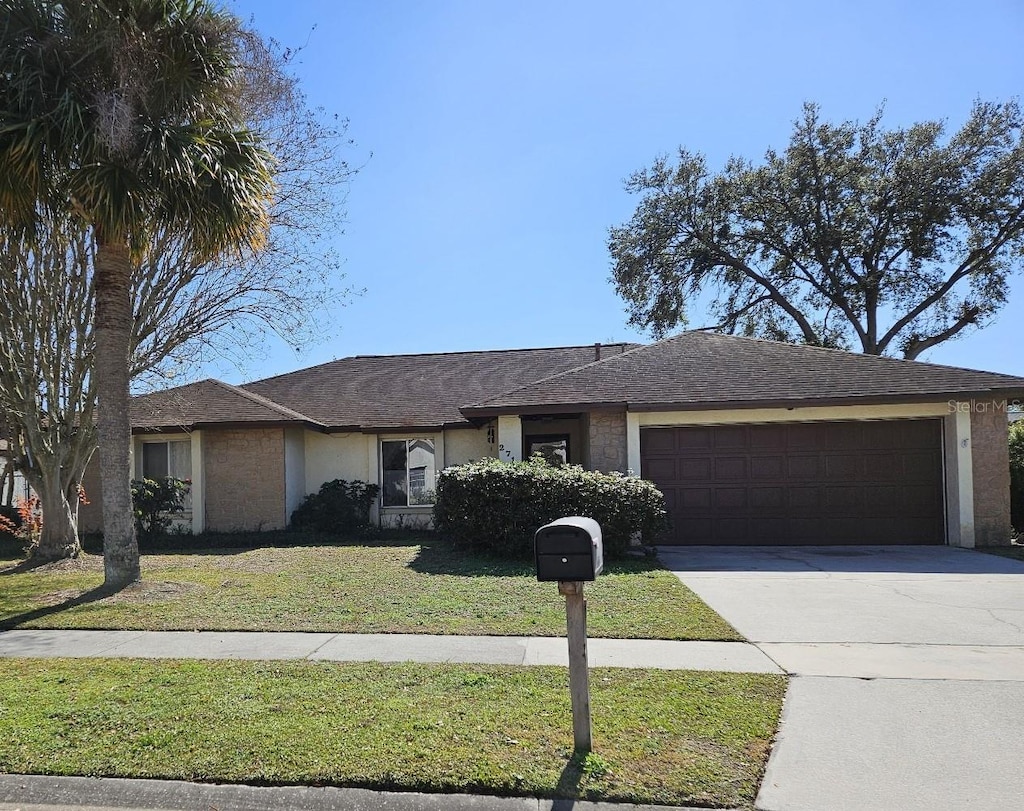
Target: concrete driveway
{"type": "Point", "coordinates": [907, 664]}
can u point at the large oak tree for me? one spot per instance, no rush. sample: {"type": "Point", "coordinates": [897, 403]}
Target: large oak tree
{"type": "Point", "coordinates": [889, 241]}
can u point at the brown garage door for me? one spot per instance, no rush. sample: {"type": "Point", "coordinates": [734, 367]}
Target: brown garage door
{"type": "Point", "coordinates": [868, 482]}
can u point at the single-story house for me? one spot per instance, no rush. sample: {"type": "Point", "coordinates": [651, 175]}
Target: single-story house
{"type": "Point", "coordinates": [752, 441]}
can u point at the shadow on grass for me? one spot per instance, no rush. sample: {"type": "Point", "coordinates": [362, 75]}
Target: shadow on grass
{"type": "Point", "coordinates": [86, 597]}
{"type": "Point", "coordinates": [235, 543]}
{"type": "Point", "coordinates": [438, 556]}
{"type": "Point", "coordinates": [567, 789]}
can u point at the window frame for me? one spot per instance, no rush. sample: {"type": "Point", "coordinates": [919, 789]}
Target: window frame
{"type": "Point", "coordinates": [408, 490]}
{"type": "Point", "coordinates": [140, 465]}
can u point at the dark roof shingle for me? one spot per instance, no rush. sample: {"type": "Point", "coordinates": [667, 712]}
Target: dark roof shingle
{"type": "Point", "coordinates": [706, 370]}
{"type": "Point", "coordinates": [394, 391]}
{"type": "Point", "coordinates": [207, 402]}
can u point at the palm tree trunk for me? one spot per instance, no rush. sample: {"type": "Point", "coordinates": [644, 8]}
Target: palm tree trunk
{"type": "Point", "coordinates": [112, 330]}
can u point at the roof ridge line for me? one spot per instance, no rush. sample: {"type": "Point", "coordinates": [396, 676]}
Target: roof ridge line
{"type": "Point", "coordinates": [574, 369]}
{"type": "Point", "coordinates": [840, 351]}
{"type": "Point", "coordinates": [259, 399]}
{"type": "Point", "coordinates": [439, 354]}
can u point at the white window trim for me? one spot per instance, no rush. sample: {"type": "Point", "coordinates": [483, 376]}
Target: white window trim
{"type": "Point", "coordinates": [138, 462]}
{"type": "Point", "coordinates": [437, 440]}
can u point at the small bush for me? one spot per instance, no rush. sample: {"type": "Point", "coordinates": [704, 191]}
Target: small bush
{"type": "Point", "coordinates": [339, 507]}
{"type": "Point", "coordinates": [500, 505]}
{"type": "Point", "coordinates": [1017, 475]}
{"type": "Point", "coordinates": [155, 502]}
{"type": "Point", "coordinates": [10, 522]}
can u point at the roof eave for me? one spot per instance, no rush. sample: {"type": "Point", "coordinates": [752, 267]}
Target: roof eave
{"type": "Point", "coordinates": [477, 412]}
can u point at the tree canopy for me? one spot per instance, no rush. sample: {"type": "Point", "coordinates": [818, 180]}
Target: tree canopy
{"type": "Point", "coordinates": [889, 241]}
{"type": "Point", "coordinates": [126, 114]}
{"type": "Point", "coordinates": [183, 304]}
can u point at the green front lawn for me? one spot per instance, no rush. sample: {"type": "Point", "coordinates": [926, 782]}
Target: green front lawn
{"type": "Point", "coordinates": [659, 737]}
{"type": "Point", "coordinates": [416, 585]}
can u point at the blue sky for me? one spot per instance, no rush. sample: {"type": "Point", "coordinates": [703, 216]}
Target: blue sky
{"type": "Point", "coordinates": [494, 138]}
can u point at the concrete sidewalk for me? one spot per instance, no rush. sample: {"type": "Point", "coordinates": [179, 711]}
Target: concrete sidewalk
{"type": "Point", "coordinates": [736, 657]}
{"type": "Point", "coordinates": [39, 793]}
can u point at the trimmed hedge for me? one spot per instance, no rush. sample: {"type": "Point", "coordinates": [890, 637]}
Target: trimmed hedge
{"type": "Point", "coordinates": [1017, 475]}
{"type": "Point", "coordinates": [498, 506]}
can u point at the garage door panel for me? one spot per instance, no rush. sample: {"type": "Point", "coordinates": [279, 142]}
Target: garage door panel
{"type": "Point", "coordinates": [804, 529]}
{"type": "Point", "coordinates": [767, 467]}
{"type": "Point", "coordinates": [919, 500]}
{"type": "Point", "coordinates": [844, 466]}
{"type": "Point", "coordinates": [695, 468]}
{"type": "Point", "coordinates": [695, 498]}
{"type": "Point", "coordinates": [695, 530]}
{"type": "Point", "coordinates": [844, 501]}
{"type": "Point", "coordinates": [730, 498]}
{"type": "Point", "coordinates": [886, 500]}
{"type": "Point", "coordinates": [768, 498]}
{"type": "Point", "coordinates": [804, 435]}
{"type": "Point", "coordinates": [731, 530]}
{"type": "Point", "coordinates": [663, 470]}
{"type": "Point", "coordinates": [767, 437]}
{"type": "Point", "coordinates": [793, 483]}
{"type": "Point", "coordinates": [730, 437]}
{"type": "Point", "coordinates": [916, 464]}
{"type": "Point", "coordinates": [804, 467]}
{"type": "Point", "coordinates": [883, 466]}
{"type": "Point", "coordinates": [768, 530]}
{"type": "Point", "coordinates": [660, 442]}
{"type": "Point", "coordinates": [729, 468]}
{"type": "Point", "coordinates": [806, 499]}
{"type": "Point", "coordinates": [695, 438]}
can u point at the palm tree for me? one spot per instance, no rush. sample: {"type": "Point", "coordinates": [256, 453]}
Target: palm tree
{"type": "Point", "coordinates": [125, 114]}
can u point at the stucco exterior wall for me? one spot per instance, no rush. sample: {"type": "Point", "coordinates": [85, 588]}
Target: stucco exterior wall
{"type": "Point", "coordinates": [294, 469]}
{"type": "Point", "coordinates": [337, 456]}
{"type": "Point", "coordinates": [464, 445]}
{"type": "Point", "coordinates": [244, 470]}
{"type": "Point", "coordinates": [991, 469]}
{"type": "Point", "coordinates": [607, 441]}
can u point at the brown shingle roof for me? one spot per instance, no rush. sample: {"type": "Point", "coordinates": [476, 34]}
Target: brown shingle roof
{"type": "Point", "coordinates": [207, 402]}
{"type": "Point", "coordinates": [707, 370]}
{"type": "Point", "coordinates": [394, 391]}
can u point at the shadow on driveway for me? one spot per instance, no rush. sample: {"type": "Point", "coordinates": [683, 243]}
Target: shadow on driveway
{"type": "Point", "coordinates": [836, 559]}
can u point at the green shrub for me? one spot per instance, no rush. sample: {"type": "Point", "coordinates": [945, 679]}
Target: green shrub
{"type": "Point", "coordinates": [339, 507]}
{"type": "Point", "coordinates": [1017, 475]}
{"type": "Point", "coordinates": [155, 502]}
{"type": "Point", "coordinates": [500, 505]}
{"type": "Point", "coordinates": [10, 521]}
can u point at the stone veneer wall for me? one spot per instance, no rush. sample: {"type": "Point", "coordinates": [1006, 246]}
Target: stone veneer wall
{"type": "Point", "coordinates": [607, 437]}
{"type": "Point", "coordinates": [991, 470]}
{"type": "Point", "coordinates": [245, 487]}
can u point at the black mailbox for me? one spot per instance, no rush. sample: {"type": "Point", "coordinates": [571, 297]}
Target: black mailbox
{"type": "Point", "coordinates": [569, 549]}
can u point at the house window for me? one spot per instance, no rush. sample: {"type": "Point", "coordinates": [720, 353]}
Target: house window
{"type": "Point", "coordinates": [554, 448]}
{"type": "Point", "coordinates": [408, 472]}
{"type": "Point", "coordinates": [174, 458]}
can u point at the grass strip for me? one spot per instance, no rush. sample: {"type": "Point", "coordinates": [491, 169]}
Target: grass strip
{"type": "Point", "coordinates": [659, 736]}
{"type": "Point", "coordinates": [419, 587]}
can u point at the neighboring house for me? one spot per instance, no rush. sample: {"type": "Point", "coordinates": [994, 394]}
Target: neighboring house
{"type": "Point", "coordinates": [13, 485]}
{"type": "Point", "coordinates": [752, 442]}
